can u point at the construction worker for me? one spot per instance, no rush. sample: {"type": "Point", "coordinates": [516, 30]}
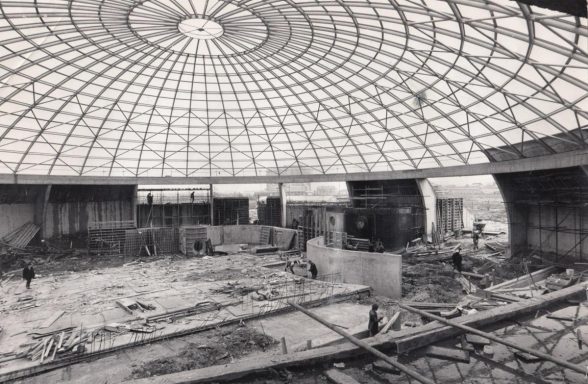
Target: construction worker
{"type": "Point", "coordinates": [312, 269]}
{"type": "Point", "coordinates": [374, 323]}
{"type": "Point", "coordinates": [150, 199]}
{"type": "Point", "coordinates": [28, 274]}
{"type": "Point", "coordinates": [457, 259]}
{"type": "Point", "coordinates": [379, 247]}
{"type": "Point", "coordinates": [192, 197]}
{"type": "Point", "coordinates": [476, 237]}
{"type": "Point", "coordinates": [290, 264]}
{"type": "Point", "coordinates": [44, 247]}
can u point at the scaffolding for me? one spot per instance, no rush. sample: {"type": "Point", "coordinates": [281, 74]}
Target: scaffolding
{"type": "Point", "coordinates": [173, 207]}
{"type": "Point", "coordinates": [560, 228]}
{"type": "Point", "coordinates": [449, 215]}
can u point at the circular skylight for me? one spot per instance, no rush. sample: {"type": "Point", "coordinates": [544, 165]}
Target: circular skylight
{"type": "Point", "coordinates": [273, 87]}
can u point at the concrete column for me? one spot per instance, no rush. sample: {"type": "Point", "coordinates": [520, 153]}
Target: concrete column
{"type": "Point", "coordinates": [42, 230]}
{"type": "Point", "coordinates": [283, 204]}
{"type": "Point", "coordinates": [211, 201]}
{"type": "Point", "coordinates": [430, 203]}
{"type": "Point", "coordinates": [134, 204]}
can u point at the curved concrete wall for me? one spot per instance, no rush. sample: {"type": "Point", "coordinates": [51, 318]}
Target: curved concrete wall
{"type": "Point", "coordinates": [381, 271]}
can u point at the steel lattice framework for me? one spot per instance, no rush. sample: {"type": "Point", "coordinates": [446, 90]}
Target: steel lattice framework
{"type": "Point", "coordinates": [194, 88]}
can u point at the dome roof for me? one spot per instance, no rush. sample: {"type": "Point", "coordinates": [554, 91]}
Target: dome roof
{"type": "Point", "coordinates": [192, 88]}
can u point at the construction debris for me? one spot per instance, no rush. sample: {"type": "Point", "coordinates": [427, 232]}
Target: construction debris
{"type": "Point", "coordinates": [21, 236]}
{"type": "Point", "coordinates": [449, 354]}
{"type": "Point", "coordinates": [338, 377]}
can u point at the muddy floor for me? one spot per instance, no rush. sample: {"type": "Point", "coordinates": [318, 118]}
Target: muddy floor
{"type": "Point", "coordinates": [214, 347]}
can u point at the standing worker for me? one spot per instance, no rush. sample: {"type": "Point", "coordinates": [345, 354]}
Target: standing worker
{"type": "Point", "coordinates": [374, 323]}
{"type": "Point", "coordinates": [150, 199]}
{"type": "Point", "coordinates": [476, 237]}
{"type": "Point", "coordinates": [28, 274]}
{"type": "Point", "coordinates": [379, 247]}
{"type": "Point", "coordinates": [290, 266]}
{"type": "Point", "coordinates": [192, 197]}
{"type": "Point", "coordinates": [312, 269]}
{"type": "Point", "coordinates": [456, 258]}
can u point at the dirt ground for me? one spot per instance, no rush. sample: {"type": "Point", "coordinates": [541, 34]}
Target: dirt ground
{"type": "Point", "coordinates": [72, 260]}
{"type": "Point", "coordinates": [218, 346]}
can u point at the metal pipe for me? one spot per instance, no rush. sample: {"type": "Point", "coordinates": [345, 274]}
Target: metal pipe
{"type": "Point", "coordinates": [401, 367]}
{"type": "Point", "coordinates": [544, 356]}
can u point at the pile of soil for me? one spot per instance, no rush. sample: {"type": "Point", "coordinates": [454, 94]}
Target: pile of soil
{"type": "Point", "coordinates": [433, 283]}
{"type": "Point", "coordinates": [223, 345]}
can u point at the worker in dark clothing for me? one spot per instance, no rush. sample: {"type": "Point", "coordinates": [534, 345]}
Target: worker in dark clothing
{"type": "Point", "coordinates": [456, 259]}
{"type": "Point", "coordinates": [44, 247]}
{"type": "Point", "coordinates": [192, 197]}
{"type": "Point", "coordinates": [290, 266]}
{"type": "Point", "coordinates": [312, 269]}
{"type": "Point", "coordinates": [150, 199]}
{"type": "Point", "coordinates": [373, 325]}
{"type": "Point", "coordinates": [476, 238]}
{"type": "Point", "coordinates": [379, 247]}
{"type": "Point", "coordinates": [28, 274]}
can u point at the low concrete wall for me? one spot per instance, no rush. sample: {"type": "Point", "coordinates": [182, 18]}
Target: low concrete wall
{"type": "Point", "coordinates": [241, 234]}
{"type": "Point", "coordinates": [381, 271]}
{"type": "Point", "coordinates": [249, 234]}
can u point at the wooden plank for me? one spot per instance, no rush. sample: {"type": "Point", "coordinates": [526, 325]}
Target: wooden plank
{"type": "Point", "coordinates": [467, 285]}
{"type": "Point", "coordinates": [394, 323]}
{"type": "Point", "coordinates": [448, 354]}
{"type": "Point", "coordinates": [48, 349]}
{"type": "Point", "coordinates": [124, 307]}
{"type": "Point", "coordinates": [338, 377]}
{"type": "Point", "coordinates": [471, 274]}
{"type": "Point", "coordinates": [382, 366]}
{"type": "Point", "coordinates": [527, 358]}
{"type": "Point", "coordinates": [477, 340]}
{"type": "Point", "coordinates": [505, 297]}
{"type": "Point", "coordinates": [561, 318]}
{"type": "Point", "coordinates": [50, 320]}
{"type": "Point", "coordinates": [525, 281]}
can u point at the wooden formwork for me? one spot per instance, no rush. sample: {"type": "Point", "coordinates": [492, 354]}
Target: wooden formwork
{"type": "Point", "coordinates": [189, 235]}
{"type": "Point", "coordinates": [449, 214]}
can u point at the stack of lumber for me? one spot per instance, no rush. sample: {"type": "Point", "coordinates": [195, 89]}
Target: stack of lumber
{"type": "Point", "coordinates": [22, 236]}
{"type": "Point", "coordinates": [57, 343]}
